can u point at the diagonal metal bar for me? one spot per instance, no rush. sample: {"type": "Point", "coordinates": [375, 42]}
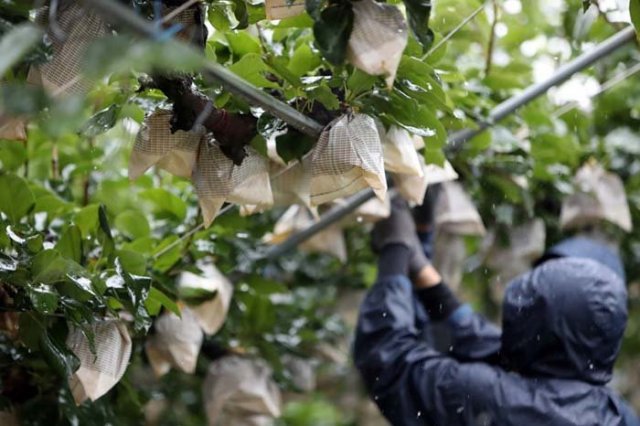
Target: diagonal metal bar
{"type": "Point", "coordinates": [457, 139]}
{"type": "Point", "coordinates": [117, 13]}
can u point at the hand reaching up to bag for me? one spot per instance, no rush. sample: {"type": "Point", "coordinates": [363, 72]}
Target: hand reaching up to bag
{"type": "Point", "coordinates": [399, 229]}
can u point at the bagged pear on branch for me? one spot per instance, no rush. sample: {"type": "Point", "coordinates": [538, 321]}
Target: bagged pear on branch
{"type": "Point", "coordinates": [297, 218]}
{"type": "Point", "coordinates": [217, 180]}
{"type": "Point", "coordinates": [176, 343]}
{"type": "Point", "coordinates": [525, 245]}
{"type": "Point", "coordinates": [346, 159]}
{"type": "Point", "coordinates": [599, 196]}
{"type": "Point", "coordinates": [292, 184]}
{"type": "Point", "coordinates": [413, 188]}
{"type": "Point", "coordinates": [13, 128]}
{"type": "Point", "coordinates": [378, 38]}
{"type": "Point", "coordinates": [456, 213]}
{"type": "Point", "coordinates": [75, 28]}
{"type": "Point", "coordinates": [449, 255]}
{"type": "Point", "coordinates": [400, 155]}
{"type": "Point", "coordinates": [102, 370]}
{"type": "Point", "coordinates": [371, 211]}
{"type": "Point", "coordinates": [241, 392]}
{"type": "Point", "coordinates": [156, 144]}
{"type": "Point", "coordinates": [301, 372]}
{"type": "Point", "coordinates": [212, 313]}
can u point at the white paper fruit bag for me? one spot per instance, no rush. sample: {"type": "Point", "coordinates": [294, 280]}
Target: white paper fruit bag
{"type": "Point", "coordinates": [240, 391]}
{"type": "Point", "coordinates": [217, 180]}
{"type": "Point", "coordinates": [99, 372]}
{"type": "Point", "coordinates": [346, 159]}
{"type": "Point", "coordinates": [378, 38]}
{"type": "Point", "coordinates": [456, 213]}
{"type": "Point", "coordinates": [599, 196]}
{"type": "Point", "coordinates": [157, 145]}
{"type": "Point", "coordinates": [212, 313]}
{"type": "Point", "coordinates": [176, 343]}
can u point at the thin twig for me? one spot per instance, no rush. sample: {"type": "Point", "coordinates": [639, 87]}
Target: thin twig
{"type": "Point", "coordinates": [175, 12]}
{"type": "Point", "coordinates": [453, 32]}
{"type": "Point", "coordinates": [492, 39]}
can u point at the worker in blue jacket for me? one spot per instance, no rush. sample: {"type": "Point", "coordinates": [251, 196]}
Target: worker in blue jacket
{"type": "Point", "coordinates": [562, 329]}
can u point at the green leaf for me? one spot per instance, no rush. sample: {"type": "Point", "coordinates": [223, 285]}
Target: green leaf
{"type": "Point", "coordinates": [293, 145]}
{"type": "Point", "coordinates": [132, 262]}
{"type": "Point", "coordinates": [13, 155]}
{"type": "Point", "coordinates": [105, 237]}
{"type": "Point", "coordinates": [87, 219]}
{"type": "Point", "coordinates": [418, 80]}
{"type": "Point", "coordinates": [196, 296]}
{"type": "Point", "coordinates": [332, 31]}
{"type": "Point", "coordinates": [165, 203]}
{"type": "Point", "coordinates": [360, 82]}
{"type": "Point", "coordinates": [434, 156]}
{"type": "Point", "coordinates": [57, 355]}
{"type": "Point", "coordinates": [43, 298]}
{"type": "Point", "coordinates": [418, 12]}
{"type": "Point", "coordinates": [101, 121]}
{"type": "Point", "coordinates": [16, 43]}
{"type": "Point", "coordinates": [133, 224]}
{"type": "Point", "coordinates": [303, 60]}
{"type": "Point", "coordinates": [164, 262]}
{"type": "Point", "coordinates": [242, 43]}
{"type": "Point", "coordinates": [70, 244]}
{"type": "Point", "coordinates": [325, 96]}
{"type": "Point", "coordinates": [156, 299]}
{"type": "Point", "coordinates": [49, 267]}
{"type": "Point", "coordinates": [252, 69]}
{"type": "Point", "coordinates": [221, 15]}
{"type": "Point", "coordinates": [16, 199]}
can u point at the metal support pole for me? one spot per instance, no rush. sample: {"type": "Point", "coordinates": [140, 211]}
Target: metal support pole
{"type": "Point", "coordinates": [116, 13]}
{"type": "Point", "coordinates": [327, 219]}
{"type": "Point", "coordinates": [457, 139]}
{"type": "Point", "coordinates": [563, 73]}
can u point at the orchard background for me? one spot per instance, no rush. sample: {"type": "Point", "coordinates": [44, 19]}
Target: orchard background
{"type": "Point", "coordinates": [80, 241]}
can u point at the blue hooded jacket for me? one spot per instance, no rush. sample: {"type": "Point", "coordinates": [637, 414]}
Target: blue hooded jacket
{"type": "Point", "coordinates": [562, 328]}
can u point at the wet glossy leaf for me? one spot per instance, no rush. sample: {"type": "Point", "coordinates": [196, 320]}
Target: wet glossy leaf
{"type": "Point", "coordinates": [16, 199]}
{"type": "Point", "coordinates": [332, 31]}
{"type": "Point", "coordinates": [101, 121]}
{"type": "Point", "coordinates": [58, 356]}
{"type": "Point", "coordinates": [132, 224]}
{"type": "Point", "coordinates": [157, 299]}
{"type": "Point", "coordinates": [70, 244]}
{"type": "Point", "coordinates": [44, 298]}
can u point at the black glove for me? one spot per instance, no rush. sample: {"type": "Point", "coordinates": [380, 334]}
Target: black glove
{"type": "Point", "coordinates": [399, 228]}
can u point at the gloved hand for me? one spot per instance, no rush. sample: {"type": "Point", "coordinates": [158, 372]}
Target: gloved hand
{"type": "Point", "coordinates": [399, 228]}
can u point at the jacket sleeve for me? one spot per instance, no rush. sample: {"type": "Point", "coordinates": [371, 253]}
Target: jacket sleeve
{"type": "Point", "coordinates": [473, 337]}
{"type": "Point", "coordinates": [409, 380]}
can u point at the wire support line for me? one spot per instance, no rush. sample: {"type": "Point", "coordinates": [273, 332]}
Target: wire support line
{"type": "Point", "coordinates": [453, 32]}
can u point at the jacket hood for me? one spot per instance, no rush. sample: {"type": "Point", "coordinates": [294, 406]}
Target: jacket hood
{"type": "Point", "coordinates": [565, 319]}
{"type": "Point", "coordinates": [585, 248]}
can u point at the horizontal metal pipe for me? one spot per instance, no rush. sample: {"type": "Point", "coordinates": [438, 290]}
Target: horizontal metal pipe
{"type": "Point", "coordinates": [119, 14]}
{"type": "Point", "coordinates": [330, 217]}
